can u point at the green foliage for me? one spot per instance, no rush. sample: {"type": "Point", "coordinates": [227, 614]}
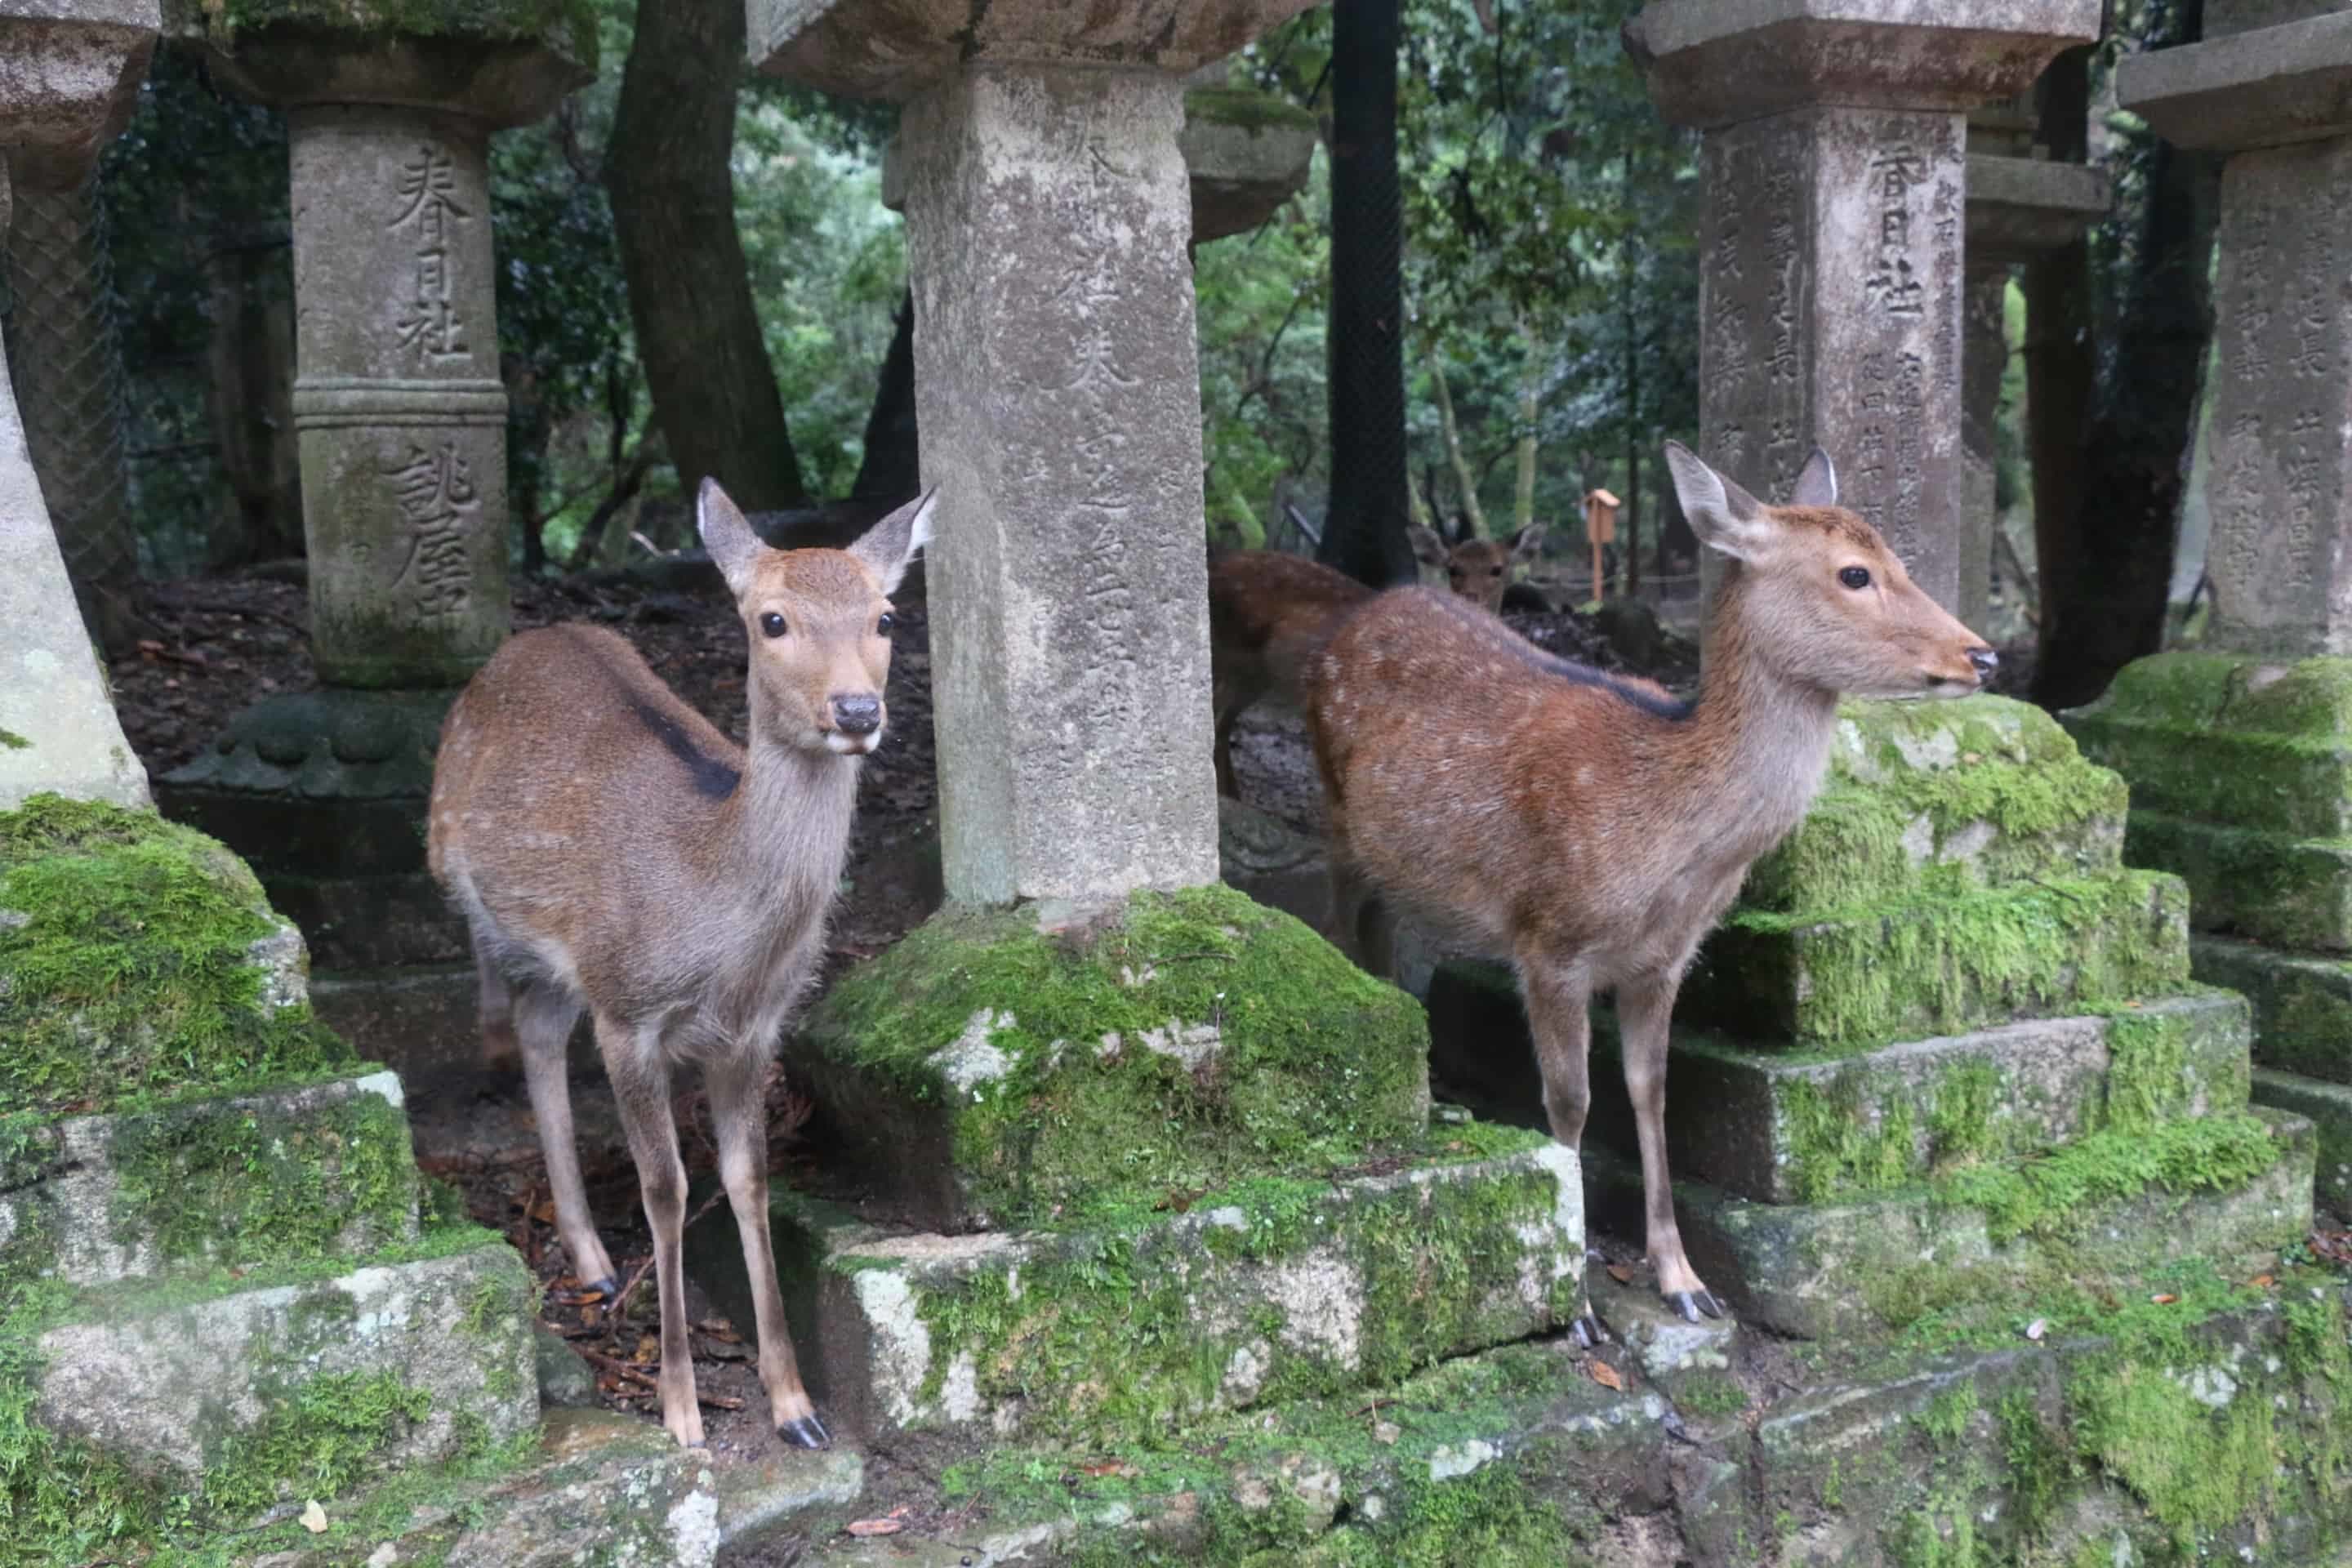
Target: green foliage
{"type": "Point", "coordinates": [2041, 1197]}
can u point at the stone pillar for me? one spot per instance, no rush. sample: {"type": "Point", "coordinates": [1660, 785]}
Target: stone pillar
{"type": "Point", "coordinates": [1058, 390]}
{"type": "Point", "coordinates": [2019, 202]}
{"type": "Point", "coordinates": [1830, 280]}
{"type": "Point", "coordinates": [2239, 756]}
{"type": "Point", "coordinates": [73, 71]}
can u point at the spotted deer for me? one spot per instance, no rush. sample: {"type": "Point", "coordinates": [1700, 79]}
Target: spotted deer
{"type": "Point", "coordinates": [1269, 611]}
{"type": "Point", "coordinates": [1590, 828]}
{"type": "Point", "coordinates": [612, 852]}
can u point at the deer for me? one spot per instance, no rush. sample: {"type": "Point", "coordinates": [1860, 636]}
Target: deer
{"type": "Point", "coordinates": [1268, 611]}
{"type": "Point", "coordinates": [611, 851]}
{"type": "Point", "coordinates": [1590, 828]}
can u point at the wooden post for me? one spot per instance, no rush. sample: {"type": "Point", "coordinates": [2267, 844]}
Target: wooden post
{"type": "Point", "coordinates": [1599, 529]}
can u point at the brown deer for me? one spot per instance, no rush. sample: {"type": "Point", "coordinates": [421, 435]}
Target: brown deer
{"type": "Point", "coordinates": [1269, 611]}
{"type": "Point", "coordinates": [612, 852]}
{"type": "Point", "coordinates": [1592, 829]}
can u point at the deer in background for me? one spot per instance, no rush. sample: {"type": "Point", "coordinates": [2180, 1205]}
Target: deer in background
{"type": "Point", "coordinates": [1592, 829]}
{"type": "Point", "coordinates": [1269, 611]}
{"type": "Point", "coordinates": [612, 852]}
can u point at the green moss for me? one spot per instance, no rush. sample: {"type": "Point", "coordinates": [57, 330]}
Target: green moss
{"type": "Point", "coordinates": [2040, 1463]}
{"type": "Point", "coordinates": [1189, 1040]}
{"type": "Point", "coordinates": [1926, 1541]}
{"type": "Point", "coordinates": [569, 24]}
{"type": "Point", "coordinates": [13, 741]}
{"type": "Point", "coordinates": [1710, 1394]}
{"type": "Point", "coordinates": [1961, 1122]}
{"type": "Point", "coordinates": [1245, 107]}
{"type": "Point", "coordinates": [131, 975]}
{"type": "Point", "coordinates": [313, 1441]}
{"type": "Point", "coordinates": [2196, 1469]}
{"type": "Point", "coordinates": [2042, 1198]}
{"type": "Point", "coordinates": [1835, 1144]}
{"type": "Point", "coordinates": [1945, 1420]}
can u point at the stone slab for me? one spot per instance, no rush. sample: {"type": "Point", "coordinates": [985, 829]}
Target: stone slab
{"type": "Point", "coordinates": [1937, 966]}
{"type": "Point", "coordinates": [73, 74]}
{"type": "Point", "coordinates": [1268, 1290]}
{"type": "Point", "coordinates": [57, 728]}
{"type": "Point", "coordinates": [165, 1383]}
{"type": "Point", "coordinates": [2329, 1108]}
{"type": "Point", "coordinates": [2260, 87]}
{"type": "Point", "coordinates": [1819, 1271]}
{"type": "Point", "coordinates": [2302, 1002]}
{"type": "Point", "coordinates": [423, 1020]}
{"type": "Point", "coordinates": [2266, 887]}
{"type": "Point", "coordinates": [894, 48]}
{"type": "Point", "coordinates": [494, 66]}
{"type": "Point", "coordinates": [1015, 1067]}
{"type": "Point", "coordinates": [210, 1183]}
{"type": "Point", "coordinates": [2018, 208]}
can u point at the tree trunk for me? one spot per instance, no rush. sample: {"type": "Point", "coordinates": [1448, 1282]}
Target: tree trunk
{"type": "Point", "coordinates": [1364, 535]}
{"type": "Point", "coordinates": [250, 361]}
{"type": "Point", "coordinates": [1628, 520]}
{"type": "Point", "coordinates": [2103, 591]}
{"type": "Point", "coordinates": [2061, 358]}
{"type": "Point", "coordinates": [891, 469]}
{"type": "Point", "coordinates": [1474, 515]}
{"type": "Point", "coordinates": [689, 292]}
{"type": "Point", "coordinates": [1523, 485]}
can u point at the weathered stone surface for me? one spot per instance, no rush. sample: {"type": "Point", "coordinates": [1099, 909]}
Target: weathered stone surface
{"type": "Point", "coordinates": [1272, 862]}
{"type": "Point", "coordinates": [72, 74]}
{"type": "Point", "coordinates": [2018, 206]}
{"type": "Point", "coordinates": [421, 1019]}
{"type": "Point", "coordinates": [166, 1385]}
{"type": "Point", "coordinates": [2262, 86]}
{"type": "Point", "coordinates": [1824, 1270]}
{"type": "Point", "coordinates": [1246, 152]}
{"type": "Point", "coordinates": [2297, 892]}
{"type": "Point", "coordinates": [2302, 1002]}
{"type": "Point", "coordinates": [2329, 1108]}
{"type": "Point", "coordinates": [566, 1382]}
{"type": "Point", "coordinates": [1005, 1067]}
{"type": "Point", "coordinates": [496, 65]}
{"type": "Point", "coordinates": [1271, 1289]}
{"type": "Point", "coordinates": [893, 48]}
{"type": "Point", "coordinates": [221, 1183]}
{"type": "Point", "coordinates": [1047, 220]}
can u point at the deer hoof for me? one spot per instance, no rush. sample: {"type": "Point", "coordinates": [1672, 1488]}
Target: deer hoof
{"type": "Point", "coordinates": [1586, 1331]}
{"type": "Point", "coordinates": [1689, 1304]}
{"type": "Point", "coordinates": [806, 1432]}
{"type": "Point", "coordinates": [608, 1286]}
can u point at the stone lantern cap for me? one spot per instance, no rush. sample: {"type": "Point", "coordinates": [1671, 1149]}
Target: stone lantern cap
{"type": "Point", "coordinates": [1246, 152]}
{"type": "Point", "coordinates": [2017, 207]}
{"type": "Point", "coordinates": [2263, 88]}
{"type": "Point", "coordinates": [1718, 62]}
{"type": "Point", "coordinates": [501, 62]}
{"type": "Point", "coordinates": [894, 48]}
{"type": "Point", "coordinates": [69, 74]}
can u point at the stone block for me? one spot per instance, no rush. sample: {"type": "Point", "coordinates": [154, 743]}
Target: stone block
{"type": "Point", "coordinates": [2302, 1003]}
{"type": "Point", "coordinates": [411, 1361]}
{"type": "Point", "coordinates": [1926, 799]}
{"type": "Point", "coordinates": [1272, 862]}
{"type": "Point", "coordinates": [2295, 892]}
{"type": "Point", "coordinates": [74, 70]}
{"type": "Point", "coordinates": [496, 65]}
{"type": "Point", "coordinates": [1245, 153]}
{"type": "Point", "coordinates": [1266, 1291]}
{"type": "Point", "coordinates": [2329, 1108]}
{"type": "Point", "coordinates": [422, 1020]}
{"type": "Point", "coordinates": [139, 959]}
{"type": "Point", "coordinates": [2265, 86]}
{"type": "Point", "coordinates": [2018, 208]}
{"type": "Point", "coordinates": [2232, 1188]}
{"type": "Point", "coordinates": [219, 1183]}
{"type": "Point", "coordinates": [566, 1381]}
{"type": "Point", "coordinates": [1934, 966]}
{"type": "Point", "coordinates": [1014, 1065]}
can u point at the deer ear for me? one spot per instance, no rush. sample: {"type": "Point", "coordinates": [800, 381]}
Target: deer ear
{"type": "Point", "coordinates": [1816, 482]}
{"type": "Point", "coordinates": [1726, 517]}
{"type": "Point", "coordinates": [890, 545]}
{"type": "Point", "coordinates": [1427, 548]}
{"type": "Point", "coordinates": [727, 535]}
{"type": "Point", "coordinates": [1528, 540]}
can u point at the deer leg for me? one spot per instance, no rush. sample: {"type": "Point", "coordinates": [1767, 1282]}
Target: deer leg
{"type": "Point", "coordinates": [496, 1010]}
{"type": "Point", "coordinates": [739, 1109]}
{"type": "Point", "coordinates": [542, 1024]}
{"type": "Point", "coordinates": [633, 1058]}
{"type": "Point", "coordinates": [1644, 1008]}
{"type": "Point", "coordinates": [1555, 995]}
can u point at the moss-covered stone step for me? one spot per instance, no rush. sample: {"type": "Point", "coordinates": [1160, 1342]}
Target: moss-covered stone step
{"type": "Point", "coordinates": [2235, 1187]}
{"type": "Point", "coordinates": [1785, 1128]}
{"type": "Point", "coordinates": [1019, 1066]}
{"type": "Point", "coordinates": [2303, 1003]}
{"type": "Point", "coordinates": [231, 1181]}
{"type": "Point", "coordinates": [1862, 978]}
{"type": "Point", "coordinates": [246, 1391]}
{"type": "Point", "coordinates": [2226, 740]}
{"type": "Point", "coordinates": [140, 960]}
{"type": "Point", "coordinates": [1934, 799]}
{"type": "Point", "coordinates": [1269, 1290]}
{"type": "Point", "coordinates": [2329, 1108]}
{"type": "Point", "coordinates": [2295, 892]}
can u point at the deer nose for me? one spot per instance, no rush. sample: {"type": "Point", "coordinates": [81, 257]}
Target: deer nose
{"type": "Point", "coordinates": [858, 715]}
{"type": "Point", "coordinates": [1985, 661]}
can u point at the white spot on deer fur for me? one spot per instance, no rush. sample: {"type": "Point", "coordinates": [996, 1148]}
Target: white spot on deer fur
{"type": "Point", "coordinates": [969, 1059]}
{"type": "Point", "coordinates": [1450, 1463]}
{"type": "Point", "coordinates": [1322, 1300]}
{"type": "Point", "coordinates": [1192, 1044]}
{"type": "Point", "coordinates": [902, 1341]}
{"type": "Point", "coordinates": [960, 1390]}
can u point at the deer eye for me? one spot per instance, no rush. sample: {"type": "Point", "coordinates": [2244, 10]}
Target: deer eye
{"type": "Point", "coordinates": [882, 627]}
{"type": "Point", "coordinates": [1856, 577]}
{"type": "Point", "coordinates": [772, 624]}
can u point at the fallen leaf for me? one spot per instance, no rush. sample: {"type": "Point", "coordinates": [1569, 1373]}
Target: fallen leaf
{"type": "Point", "coordinates": [648, 1350]}
{"type": "Point", "coordinates": [2262, 1281]}
{"type": "Point", "coordinates": [875, 1527]}
{"type": "Point", "coordinates": [314, 1519]}
{"type": "Point", "coordinates": [1606, 1376]}
{"type": "Point", "coordinates": [1111, 1467]}
{"type": "Point", "coordinates": [2164, 1299]}
{"type": "Point", "coordinates": [1620, 1273]}
{"type": "Point", "coordinates": [2036, 1329]}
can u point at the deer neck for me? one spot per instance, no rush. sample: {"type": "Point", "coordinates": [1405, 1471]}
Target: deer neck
{"type": "Point", "coordinates": [1761, 739]}
{"type": "Point", "coordinates": [783, 832]}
